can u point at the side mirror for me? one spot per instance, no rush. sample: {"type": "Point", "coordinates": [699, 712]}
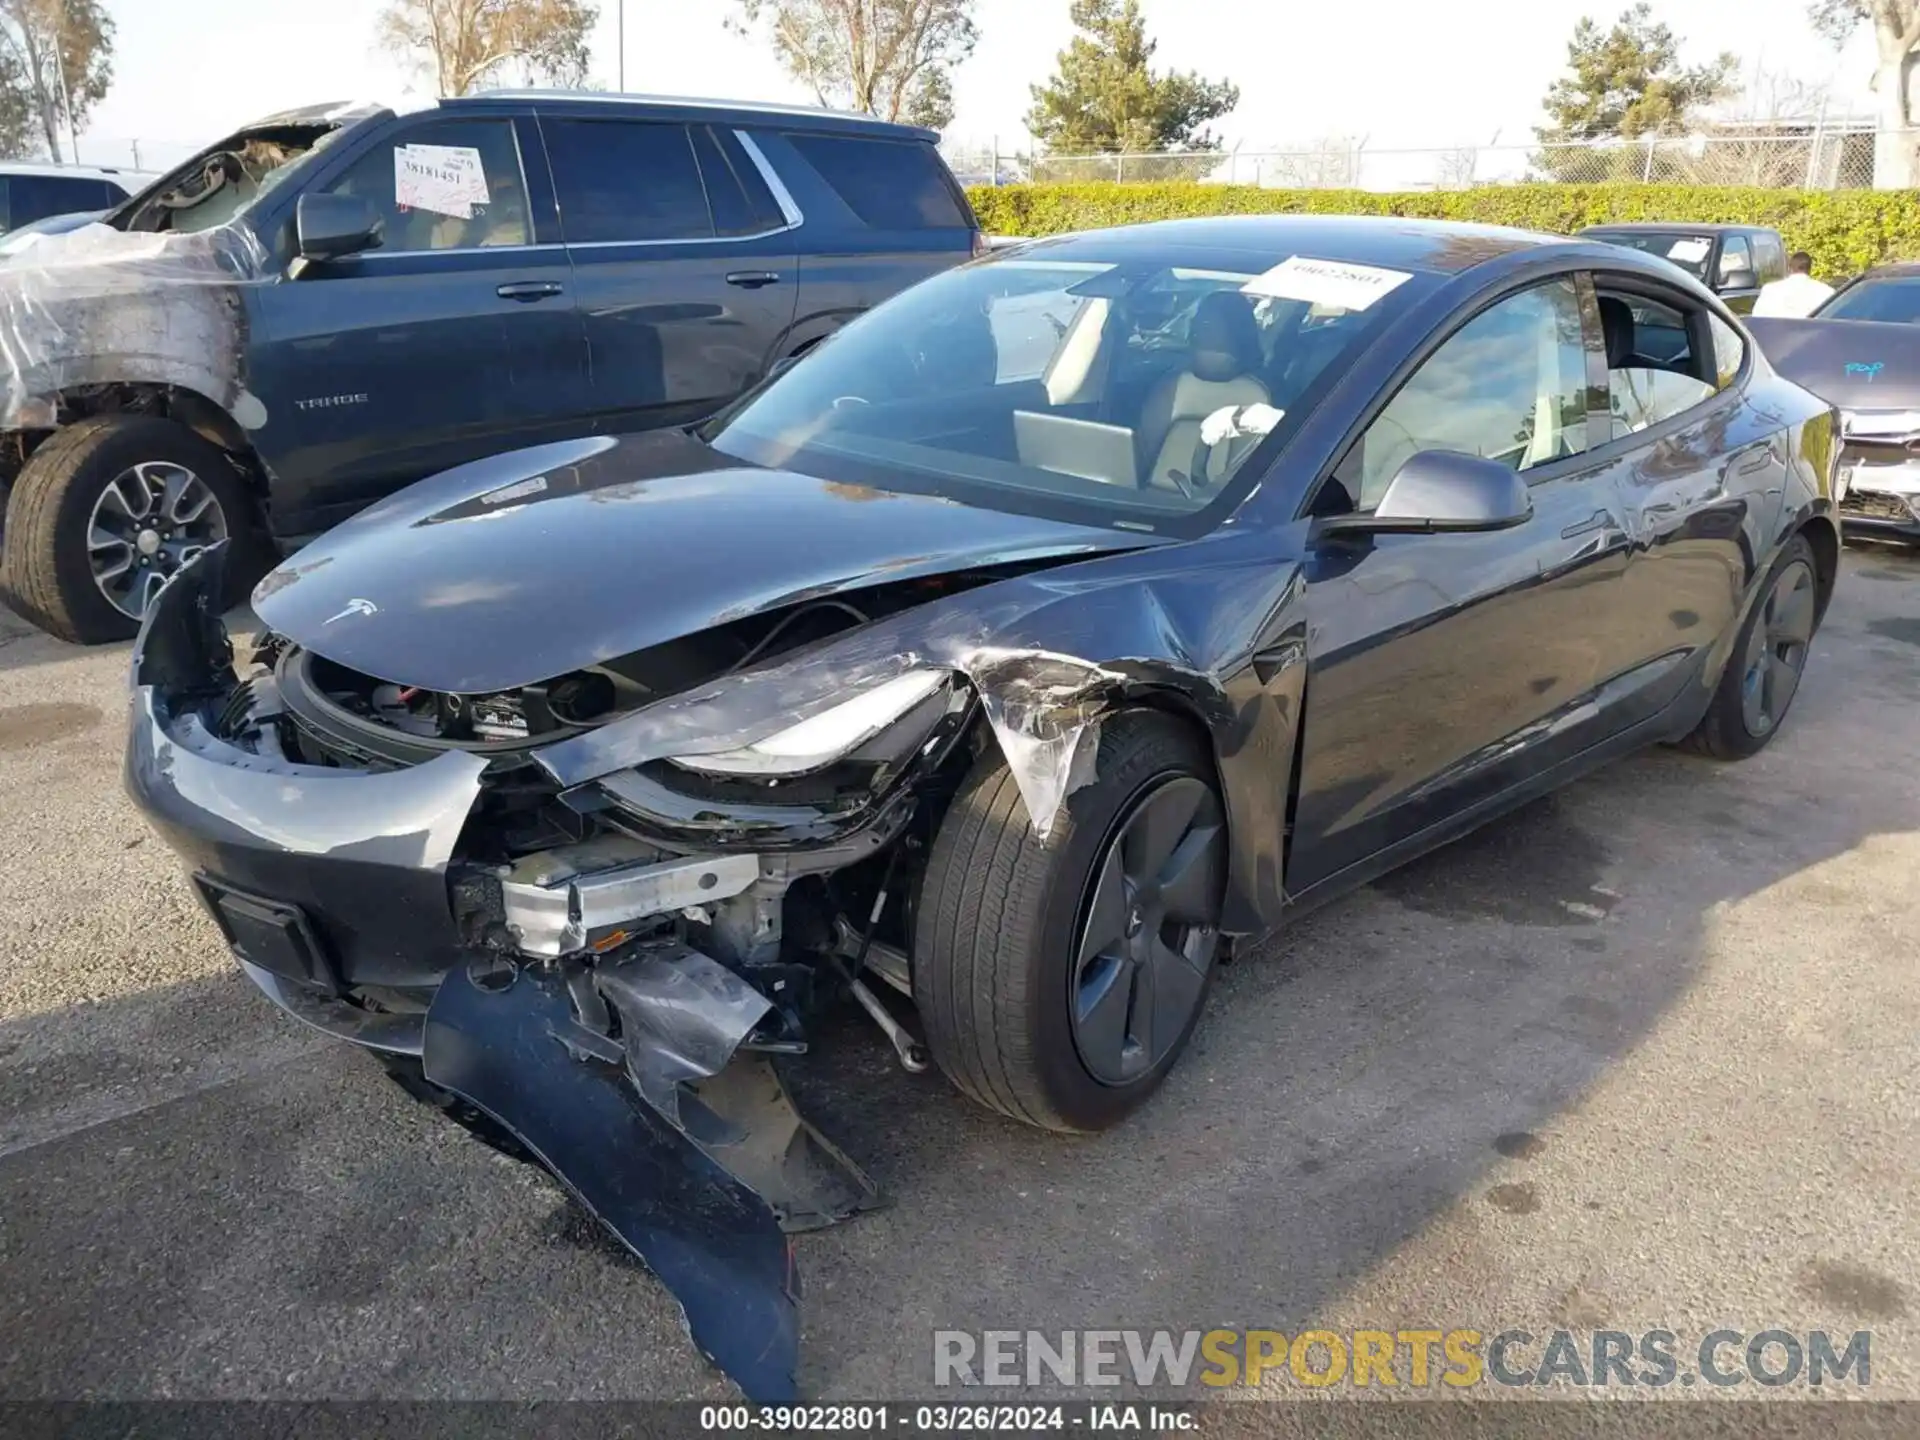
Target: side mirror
{"type": "Point", "coordinates": [326, 227]}
{"type": "Point", "coordinates": [1440, 491]}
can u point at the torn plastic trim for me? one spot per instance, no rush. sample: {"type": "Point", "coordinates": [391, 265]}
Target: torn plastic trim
{"type": "Point", "coordinates": [103, 306]}
{"type": "Point", "coordinates": [388, 1033]}
{"type": "Point", "coordinates": [715, 1245]}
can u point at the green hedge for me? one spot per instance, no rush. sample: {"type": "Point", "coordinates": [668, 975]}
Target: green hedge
{"type": "Point", "coordinates": [1844, 230]}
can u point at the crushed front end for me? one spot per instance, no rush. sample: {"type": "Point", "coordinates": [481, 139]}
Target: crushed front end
{"type": "Point", "coordinates": [606, 969]}
{"type": "Point", "coordinates": [1880, 472]}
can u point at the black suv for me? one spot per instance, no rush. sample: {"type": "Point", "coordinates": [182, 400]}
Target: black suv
{"type": "Point", "coordinates": [337, 301]}
{"type": "Point", "coordinates": [1733, 261]}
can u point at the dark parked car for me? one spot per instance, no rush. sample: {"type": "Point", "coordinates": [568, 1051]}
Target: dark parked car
{"type": "Point", "coordinates": [30, 193]}
{"type": "Point", "coordinates": [337, 301]}
{"type": "Point", "coordinates": [1069, 613]}
{"type": "Point", "coordinates": [1733, 260]}
{"type": "Point", "coordinates": [1861, 354]}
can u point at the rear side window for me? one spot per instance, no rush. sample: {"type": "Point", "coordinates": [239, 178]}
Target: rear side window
{"type": "Point", "coordinates": [889, 184]}
{"type": "Point", "coordinates": [742, 203]}
{"type": "Point", "coordinates": [626, 180]}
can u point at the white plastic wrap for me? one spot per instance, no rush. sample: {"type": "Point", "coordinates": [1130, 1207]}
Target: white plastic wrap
{"type": "Point", "coordinates": [99, 305]}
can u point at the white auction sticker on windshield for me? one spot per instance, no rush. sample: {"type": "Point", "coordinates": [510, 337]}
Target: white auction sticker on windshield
{"type": "Point", "coordinates": [1689, 252]}
{"type": "Point", "coordinates": [1326, 282]}
{"type": "Point", "coordinates": [443, 179]}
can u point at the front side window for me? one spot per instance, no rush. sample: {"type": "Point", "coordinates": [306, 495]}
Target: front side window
{"type": "Point", "coordinates": [1735, 258]}
{"type": "Point", "coordinates": [1510, 385]}
{"type": "Point", "coordinates": [626, 180]}
{"type": "Point", "coordinates": [1128, 391]}
{"type": "Point", "coordinates": [452, 185]}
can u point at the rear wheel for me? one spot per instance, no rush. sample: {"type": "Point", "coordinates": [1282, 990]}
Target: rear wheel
{"type": "Point", "coordinates": [1058, 982]}
{"type": "Point", "coordinates": [1763, 676]}
{"type": "Point", "coordinates": [105, 511]}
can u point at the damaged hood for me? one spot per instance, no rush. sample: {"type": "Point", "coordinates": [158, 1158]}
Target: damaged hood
{"type": "Point", "coordinates": [513, 570]}
{"type": "Point", "coordinates": [1852, 364]}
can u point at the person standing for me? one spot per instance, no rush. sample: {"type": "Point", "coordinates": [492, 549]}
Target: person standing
{"type": "Point", "coordinates": [1794, 295]}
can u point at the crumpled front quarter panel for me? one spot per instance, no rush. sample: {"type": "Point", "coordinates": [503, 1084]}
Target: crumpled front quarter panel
{"type": "Point", "coordinates": [1213, 628]}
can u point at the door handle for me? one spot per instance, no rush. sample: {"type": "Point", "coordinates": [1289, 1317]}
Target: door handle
{"type": "Point", "coordinates": [753, 279]}
{"type": "Point", "coordinates": [1601, 520]}
{"type": "Point", "coordinates": [528, 290]}
{"type": "Point", "coordinates": [1757, 458]}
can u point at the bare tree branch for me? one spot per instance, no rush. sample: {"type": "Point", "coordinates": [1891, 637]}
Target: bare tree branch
{"type": "Point", "coordinates": [877, 56]}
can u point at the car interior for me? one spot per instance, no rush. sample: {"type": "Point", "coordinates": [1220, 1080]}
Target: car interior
{"type": "Point", "coordinates": [1157, 384]}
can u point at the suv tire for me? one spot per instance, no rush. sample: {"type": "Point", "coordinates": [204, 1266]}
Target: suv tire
{"type": "Point", "coordinates": [49, 567]}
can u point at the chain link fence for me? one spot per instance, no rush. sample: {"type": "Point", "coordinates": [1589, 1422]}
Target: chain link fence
{"type": "Point", "coordinates": [1817, 158]}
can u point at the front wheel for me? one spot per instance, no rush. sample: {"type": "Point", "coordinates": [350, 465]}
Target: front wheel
{"type": "Point", "coordinates": [105, 511]}
{"type": "Point", "coordinates": [1763, 675]}
{"type": "Point", "coordinates": [1059, 981]}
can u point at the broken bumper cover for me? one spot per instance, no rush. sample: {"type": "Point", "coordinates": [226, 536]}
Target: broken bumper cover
{"type": "Point", "coordinates": [630, 1074]}
{"type": "Point", "coordinates": [1879, 490]}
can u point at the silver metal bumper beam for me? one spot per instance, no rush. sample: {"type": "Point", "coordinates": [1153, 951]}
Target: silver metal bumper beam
{"type": "Point", "coordinates": [553, 914]}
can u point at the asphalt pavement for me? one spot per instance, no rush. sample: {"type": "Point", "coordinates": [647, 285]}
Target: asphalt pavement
{"type": "Point", "coordinates": [1643, 1054]}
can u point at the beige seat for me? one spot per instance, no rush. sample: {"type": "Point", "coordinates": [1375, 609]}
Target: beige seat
{"type": "Point", "coordinates": [1223, 351]}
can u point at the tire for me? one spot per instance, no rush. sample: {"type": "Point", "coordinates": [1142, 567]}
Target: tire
{"type": "Point", "coordinates": [997, 974]}
{"type": "Point", "coordinates": [49, 576]}
{"type": "Point", "coordinates": [1728, 730]}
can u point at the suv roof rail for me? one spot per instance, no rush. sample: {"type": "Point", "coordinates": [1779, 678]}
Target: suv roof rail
{"type": "Point", "coordinates": [811, 115]}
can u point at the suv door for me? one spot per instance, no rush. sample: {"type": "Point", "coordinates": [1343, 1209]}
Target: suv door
{"type": "Point", "coordinates": [1445, 668]}
{"type": "Point", "coordinates": [455, 339]}
{"type": "Point", "coordinates": [683, 258]}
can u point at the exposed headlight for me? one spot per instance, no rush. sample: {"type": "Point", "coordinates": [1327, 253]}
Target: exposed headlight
{"type": "Point", "coordinates": [831, 735]}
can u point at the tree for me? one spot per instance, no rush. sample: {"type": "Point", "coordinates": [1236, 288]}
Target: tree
{"type": "Point", "coordinates": [1105, 98]}
{"type": "Point", "coordinates": [56, 60]}
{"type": "Point", "coordinates": [1622, 85]}
{"type": "Point", "coordinates": [1896, 37]}
{"type": "Point", "coordinates": [464, 43]}
{"type": "Point", "coordinates": [891, 58]}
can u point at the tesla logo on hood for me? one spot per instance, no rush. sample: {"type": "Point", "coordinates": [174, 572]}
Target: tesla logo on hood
{"type": "Point", "coordinates": [355, 606]}
{"type": "Point", "coordinates": [1856, 367]}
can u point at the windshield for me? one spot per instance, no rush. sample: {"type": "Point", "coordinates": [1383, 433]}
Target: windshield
{"type": "Point", "coordinates": [215, 186]}
{"type": "Point", "coordinates": [1129, 393]}
{"type": "Point", "coordinates": [1689, 252]}
{"type": "Point", "coordinates": [1896, 298]}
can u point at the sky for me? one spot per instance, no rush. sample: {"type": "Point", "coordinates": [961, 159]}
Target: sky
{"type": "Point", "coordinates": [1394, 73]}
